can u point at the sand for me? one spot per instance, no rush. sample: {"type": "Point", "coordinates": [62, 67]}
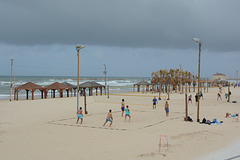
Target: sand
{"type": "Point", "coordinates": [47, 129]}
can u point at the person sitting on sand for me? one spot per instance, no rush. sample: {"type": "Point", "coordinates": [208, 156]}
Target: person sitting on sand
{"type": "Point", "coordinates": [219, 96]}
{"type": "Point", "coordinates": [127, 114]}
{"type": "Point", "coordinates": [122, 106]}
{"type": "Point", "coordinates": [155, 101]}
{"type": "Point", "coordinates": [228, 115]}
{"type": "Point", "coordinates": [109, 118]}
{"type": "Point", "coordinates": [167, 108]}
{"type": "Point", "coordinates": [79, 115]}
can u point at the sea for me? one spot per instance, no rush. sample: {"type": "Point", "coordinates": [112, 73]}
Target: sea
{"type": "Point", "coordinates": [116, 84]}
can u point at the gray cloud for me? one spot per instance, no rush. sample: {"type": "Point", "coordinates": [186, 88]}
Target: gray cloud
{"type": "Point", "coordinates": [169, 24]}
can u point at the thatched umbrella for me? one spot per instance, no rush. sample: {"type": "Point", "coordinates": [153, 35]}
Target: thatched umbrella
{"type": "Point", "coordinates": [90, 85]}
{"type": "Point", "coordinates": [142, 83]}
{"type": "Point", "coordinates": [71, 87]}
{"type": "Point", "coordinates": [29, 86]}
{"type": "Point", "coordinates": [55, 86]}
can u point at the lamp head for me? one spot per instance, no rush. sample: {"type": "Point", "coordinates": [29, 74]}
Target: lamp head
{"type": "Point", "coordinates": [197, 40]}
{"type": "Point", "coordinates": [78, 47]}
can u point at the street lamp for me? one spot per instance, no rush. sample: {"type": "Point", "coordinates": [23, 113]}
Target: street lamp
{"type": "Point", "coordinates": [78, 47]}
{"type": "Point", "coordinates": [200, 43]}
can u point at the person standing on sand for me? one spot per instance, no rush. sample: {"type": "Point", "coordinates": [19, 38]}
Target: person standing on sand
{"type": "Point", "coordinates": [79, 115]}
{"type": "Point", "coordinates": [155, 101]}
{"type": "Point", "coordinates": [219, 96]}
{"type": "Point", "coordinates": [122, 106]}
{"type": "Point", "coordinates": [127, 113]}
{"type": "Point", "coordinates": [190, 99]}
{"type": "Point", "coordinates": [167, 108]}
{"type": "Point", "coordinates": [109, 118]}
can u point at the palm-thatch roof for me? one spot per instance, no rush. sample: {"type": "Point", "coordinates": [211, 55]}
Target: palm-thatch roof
{"type": "Point", "coordinates": [29, 86]}
{"type": "Point", "coordinates": [69, 85]}
{"type": "Point", "coordinates": [90, 84]}
{"type": "Point", "coordinates": [142, 83]}
{"type": "Point", "coordinates": [56, 86]}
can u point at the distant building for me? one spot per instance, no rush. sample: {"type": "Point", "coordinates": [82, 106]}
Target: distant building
{"type": "Point", "coordinates": [219, 77]}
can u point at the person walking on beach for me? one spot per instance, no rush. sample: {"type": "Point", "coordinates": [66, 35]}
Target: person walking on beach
{"type": "Point", "coordinates": [167, 108]}
{"type": "Point", "coordinates": [109, 118]}
{"type": "Point", "coordinates": [155, 101]}
{"type": "Point", "coordinates": [196, 97]}
{"type": "Point", "coordinates": [219, 96]}
{"type": "Point", "coordinates": [190, 99]}
{"type": "Point", "coordinates": [127, 114]}
{"type": "Point", "coordinates": [79, 115]}
{"type": "Point", "coordinates": [122, 106]}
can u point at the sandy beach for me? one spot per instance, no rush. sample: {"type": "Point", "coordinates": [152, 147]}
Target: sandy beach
{"type": "Point", "coordinates": [47, 129]}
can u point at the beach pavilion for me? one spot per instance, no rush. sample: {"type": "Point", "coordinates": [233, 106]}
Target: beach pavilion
{"type": "Point", "coordinates": [71, 87]}
{"type": "Point", "coordinates": [55, 86]}
{"type": "Point", "coordinates": [142, 83]}
{"type": "Point", "coordinates": [29, 86]}
{"type": "Point", "coordinates": [90, 85]}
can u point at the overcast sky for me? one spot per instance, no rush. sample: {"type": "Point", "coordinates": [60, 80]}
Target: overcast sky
{"type": "Point", "coordinates": [132, 37]}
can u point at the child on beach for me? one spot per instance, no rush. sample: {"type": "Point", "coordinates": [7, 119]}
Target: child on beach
{"type": "Point", "coordinates": [109, 118]}
{"type": "Point", "coordinates": [155, 101]}
{"type": "Point", "coordinates": [79, 115]}
{"type": "Point", "coordinates": [167, 108]}
{"type": "Point", "coordinates": [127, 114]}
{"type": "Point", "coordinates": [122, 106]}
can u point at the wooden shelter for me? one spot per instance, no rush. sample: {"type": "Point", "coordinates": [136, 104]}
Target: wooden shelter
{"type": "Point", "coordinates": [71, 88]}
{"type": "Point", "coordinates": [55, 86]}
{"type": "Point", "coordinates": [29, 86]}
{"type": "Point", "coordinates": [142, 83]}
{"type": "Point", "coordinates": [91, 85]}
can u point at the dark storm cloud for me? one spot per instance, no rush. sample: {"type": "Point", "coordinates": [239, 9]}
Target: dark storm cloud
{"type": "Point", "coordinates": [126, 23]}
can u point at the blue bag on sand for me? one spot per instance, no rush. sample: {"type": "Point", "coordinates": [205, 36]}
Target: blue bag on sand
{"type": "Point", "coordinates": [214, 121]}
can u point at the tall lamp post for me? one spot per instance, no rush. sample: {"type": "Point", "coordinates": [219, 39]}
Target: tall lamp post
{"type": "Point", "coordinates": [78, 47]}
{"type": "Point", "coordinates": [200, 44]}
{"type": "Point", "coordinates": [180, 78]}
{"type": "Point", "coordinates": [11, 80]}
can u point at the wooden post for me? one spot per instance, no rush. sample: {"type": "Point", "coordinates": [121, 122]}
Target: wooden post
{"type": "Point", "coordinates": [41, 94]}
{"type": "Point", "coordinates": [168, 92]}
{"type": "Point", "coordinates": [85, 103]}
{"type": "Point", "coordinates": [11, 80]}
{"type": "Point", "coordinates": [108, 91]}
{"type": "Point", "coordinates": [186, 110]}
{"type": "Point", "coordinates": [199, 58]}
{"type": "Point", "coordinates": [27, 94]}
{"type": "Point", "coordinates": [14, 93]}
{"type": "Point", "coordinates": [32, 94]}
{"type": "Point", "coordinates": [14, 87]}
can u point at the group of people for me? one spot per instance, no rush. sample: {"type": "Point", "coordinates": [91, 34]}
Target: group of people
{"type": "Point", "coordinates": [126, 109]}
{"type": "Point", "coordinates": [109, 117]}
{"type": "Point", "coordinates": [155, 101]}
